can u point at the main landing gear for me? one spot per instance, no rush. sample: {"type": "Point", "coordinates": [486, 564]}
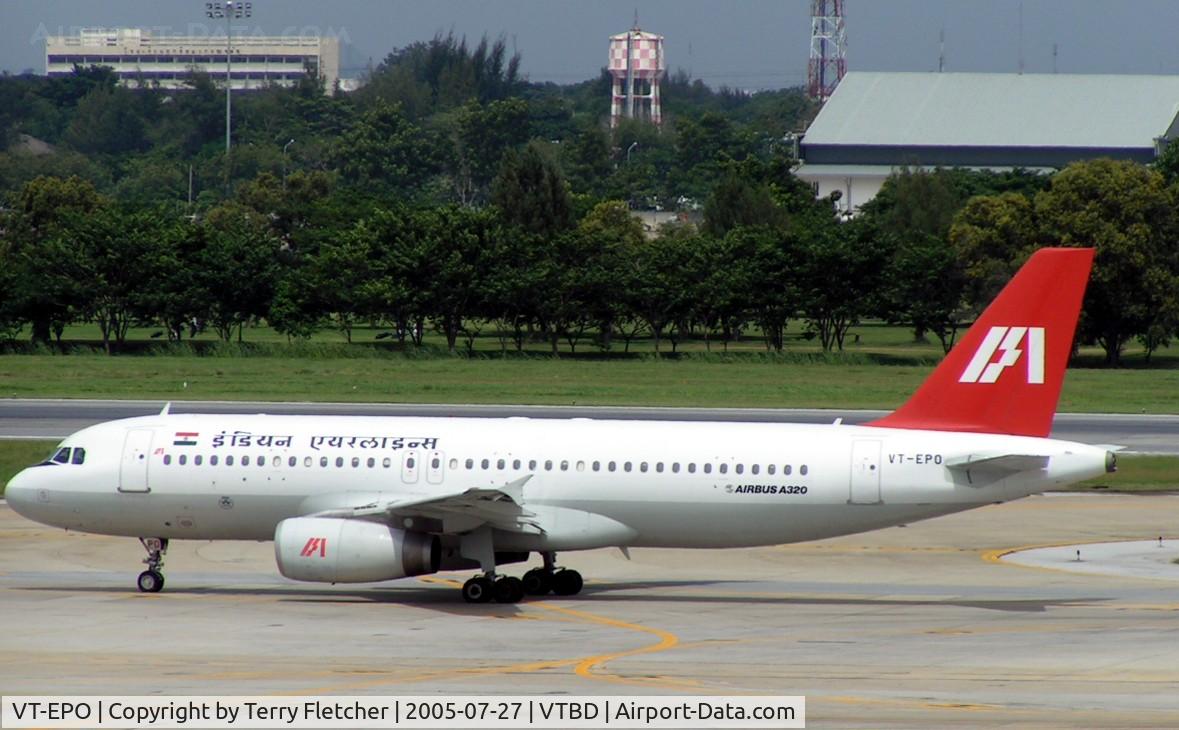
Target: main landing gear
{"type": "Point", "coordinates": [536, 582]}
{"type": "Point", "coordinates": [152, 580]}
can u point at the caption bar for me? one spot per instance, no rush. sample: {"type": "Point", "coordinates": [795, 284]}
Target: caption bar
{"type": "Point", "coordinates": [404, 712]}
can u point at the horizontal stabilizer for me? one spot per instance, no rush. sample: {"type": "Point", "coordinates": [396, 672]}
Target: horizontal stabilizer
{"type": "Point", "coordinates": [998, 463]}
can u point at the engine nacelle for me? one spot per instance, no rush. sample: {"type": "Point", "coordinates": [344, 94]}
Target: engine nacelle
{"type": "Point", "coordinates": [330, 550]}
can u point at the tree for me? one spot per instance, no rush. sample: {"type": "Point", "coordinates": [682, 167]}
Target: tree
{"type": "Point", "coordinates": [1168, 163]}
{"type": "Point", "coordinates": [52, 280]}
{"type": "Point", "coordinates": [838, 274]}
{"type": "Point", "coordinates": [384, 147]}
{"type": "Point", "coordinates": [1129, 214]}
{"type": "Point", "coordinates": [990, 237]}
{"type": "Point", "coordinates": [738, 201]}
{"type": "Point", "coordinates": [482, 135]}
{"type": "Point", "coordinates": [106, 121]}
{"type": "Point", "coordinates": [530, 192]}
{"type": "Point", "coordinates": [239, 268]}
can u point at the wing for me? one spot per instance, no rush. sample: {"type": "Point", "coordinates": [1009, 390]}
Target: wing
{"type": "Point", "coordinates": [451, 512]}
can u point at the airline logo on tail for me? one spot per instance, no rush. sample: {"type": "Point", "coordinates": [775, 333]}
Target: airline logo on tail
{"type": "Point", "coordinates": [1011, 343]}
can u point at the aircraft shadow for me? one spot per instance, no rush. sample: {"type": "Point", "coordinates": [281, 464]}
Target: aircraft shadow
{"type": "Point", "coordinates": [446, 598]}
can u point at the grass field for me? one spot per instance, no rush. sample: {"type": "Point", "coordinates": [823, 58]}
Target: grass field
{"type": "Point", "coordinates": [1135, 473]}
{"type": "Point", "coordinates": [746, 381]}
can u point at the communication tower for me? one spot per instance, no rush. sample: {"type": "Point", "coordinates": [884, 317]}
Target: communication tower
{"type": "Point", "coordinates": [828, 48]}
{"type": "Point", "coordinates": [637, 66]}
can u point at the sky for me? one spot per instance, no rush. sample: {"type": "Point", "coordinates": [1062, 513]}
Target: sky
{"type": "Point", "coordinates": [746, 44]}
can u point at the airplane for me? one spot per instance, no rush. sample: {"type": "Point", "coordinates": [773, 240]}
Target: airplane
{"type": "Point", "coordinates": [350, 499]}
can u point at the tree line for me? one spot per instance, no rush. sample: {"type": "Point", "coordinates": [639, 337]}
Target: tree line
{"type": "Point", "coordinates": [929, 252]}
{"type": "Point", "coordinates": [451, 194]}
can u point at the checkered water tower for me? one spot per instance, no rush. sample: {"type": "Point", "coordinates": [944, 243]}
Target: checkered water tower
{"type": "Point", "coordinates": [637, 66]}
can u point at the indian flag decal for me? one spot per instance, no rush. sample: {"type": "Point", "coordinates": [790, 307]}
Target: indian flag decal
{"type": "Point", "coordinates": [185, 438]}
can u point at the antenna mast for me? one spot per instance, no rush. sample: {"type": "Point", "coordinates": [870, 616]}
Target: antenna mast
{"type": "Point", "coordinates": [828, 64]}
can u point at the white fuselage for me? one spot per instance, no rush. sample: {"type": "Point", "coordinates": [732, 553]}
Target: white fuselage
{"type": "Point", "coordinates": [593, 483]}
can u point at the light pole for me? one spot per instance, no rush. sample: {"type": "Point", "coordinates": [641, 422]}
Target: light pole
{"type": "Point", "coordinates": [284, 162]}
{"type": "Point", "coordinates": [229, 10]}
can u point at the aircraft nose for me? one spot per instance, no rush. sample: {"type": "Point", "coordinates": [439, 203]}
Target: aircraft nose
{"type": "Point", "coordinates": [20, 492]}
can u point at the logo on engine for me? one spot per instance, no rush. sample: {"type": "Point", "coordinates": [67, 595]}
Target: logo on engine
{"type": "Point", "coordinates": [315, 545]}
{"type": "Point", "coordinates": [1006, 341]}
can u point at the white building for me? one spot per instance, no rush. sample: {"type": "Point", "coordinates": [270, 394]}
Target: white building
{"type": "Point", "coordinates": [139, 56]}
{"type": "Point", "coordinates": [876, 123]}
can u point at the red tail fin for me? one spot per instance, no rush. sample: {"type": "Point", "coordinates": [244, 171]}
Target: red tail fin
{"type": "Point", "coordinates": [1004, 375]}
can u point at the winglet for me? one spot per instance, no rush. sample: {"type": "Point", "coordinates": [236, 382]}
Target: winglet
{"type": "Point", "coordinates": [1005, 375]}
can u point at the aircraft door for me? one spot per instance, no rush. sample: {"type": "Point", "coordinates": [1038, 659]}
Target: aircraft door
{"type": "Point", "coordinates": [865, 473]}
{"type": "Point", "coordinates": [410, 467]}
{"type": "Point", "coordinates": [434, 467]}
{"type": "Point", "coordinates": [133, 468]}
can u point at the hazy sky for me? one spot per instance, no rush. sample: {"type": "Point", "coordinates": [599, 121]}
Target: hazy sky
{"type": "Point", "coordinates": [743, 43]}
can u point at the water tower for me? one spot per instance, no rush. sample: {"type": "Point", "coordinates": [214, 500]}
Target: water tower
{"type": "Point", "coordinates": [637, 65]}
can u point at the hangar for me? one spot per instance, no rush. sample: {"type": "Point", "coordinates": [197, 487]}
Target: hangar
{"type": "Point", "coordinates": [878, 122]}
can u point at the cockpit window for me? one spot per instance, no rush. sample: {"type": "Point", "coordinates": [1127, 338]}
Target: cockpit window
{"type": "Point", "coordinates": [79, 456]}
{"type": "Point", "coordinates": [62, 456]}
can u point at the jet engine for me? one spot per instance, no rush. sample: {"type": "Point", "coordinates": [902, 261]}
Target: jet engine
{"type": "Point", "coordinates": [330, 550]}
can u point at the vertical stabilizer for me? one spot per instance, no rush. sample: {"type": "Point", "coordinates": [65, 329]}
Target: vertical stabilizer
{"type": "Point", "coordinates": [1005, 374]}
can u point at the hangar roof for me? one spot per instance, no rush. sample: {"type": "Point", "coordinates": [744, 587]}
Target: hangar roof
{"type": "Point", "coordinates": [998, 110]}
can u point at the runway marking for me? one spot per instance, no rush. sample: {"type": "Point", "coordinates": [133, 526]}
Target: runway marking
{"type": "Point", "coordinates": [996, 556]}
{"type": "Point", "coordinates": [589, 667]}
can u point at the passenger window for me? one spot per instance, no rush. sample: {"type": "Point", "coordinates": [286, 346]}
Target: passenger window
{"type": "Point", "coordinates": [786, 470]}
{"type": "Point", "coordinates": [307, 461]}
{"type": "Point", "coordinates": [261, 461]}
{"type": "Point", "coordinates": [515, 463]}
{"type": "Point", "coordinates": [770, 469]}
{"type": "Point", "coordinates": [434, 463]}
{"type": "Point", "coordinates": [486, 463]}
{"type": "Point", "coordinates": [339, 461]}
{"type": "Point", "coordinates": [548, 465]}
{"type": "Point", "coordinates": [724, 469]}
{"type": "Point", "coordinates": [610, 466]}
{"type": "Point", "coordinates": [675, 468]}
{"type": "Point", "coordinates": [802, 470]}
{"type": "Point", "coordinates": [708, 468]}
{"type": "Point", "coordinates": [167, 459]}
{"type": "Point", "coordinates": [754, 469]}
{"type": "Point", "coordinates": [470, 463]}
{"type": "Point", "coordinates": [213, 460]}
{"type": "Point", "coordinates": [387, 462]}
{"type": "Point", "coordinates": [246, 460]}
{"type": "Point", "coordinates": [229, 461]}
{"type": "Point", "coordinates": [659, 467]}
{"type": "Point", "coordinates": [197, 460]}
{"type": "Point", "coordinates": [355, 461]}
{"type": "Point", "coordinates": [410, 462]}
{"type": "Point", "coordinates": [581, 466]}
{"type": "Point", "coordinates": [323, 462]}
{"type": "Point", "coordinates": [691, 467]}
{"type": "Point", "coordinates": [740, 468]}
{"type": "Point", "coordinates": [500, 465]}
{"type": "Point", "coordinates": [564, 465]}
{"type": "Point", "coordinates": [643, 467]}
{"type": "Point", "coordinates": [371, 462]}
{"type": "Point", "coordinates": [183, 459]}
{"type": "Point", "coordinates": [79, 456]}
{"type": "Point", "coordinates": [453, 464]}
{"type": "Point", "coordinates": [292, 461]}
{"type": "Point", "coordinates": [597, 466]}
{"type": "Point", "coordinates": [532, 465]}
{"type": "Point", "coordinates": [626, 466]}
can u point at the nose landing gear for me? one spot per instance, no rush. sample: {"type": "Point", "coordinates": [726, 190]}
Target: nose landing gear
{"type": "Point", "coordinates": [152, 579]}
